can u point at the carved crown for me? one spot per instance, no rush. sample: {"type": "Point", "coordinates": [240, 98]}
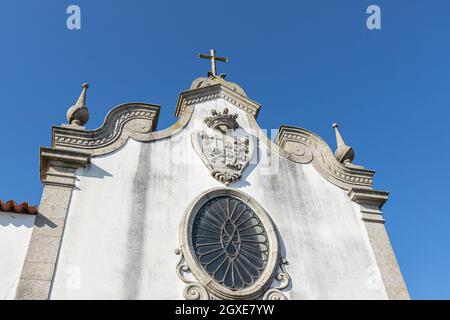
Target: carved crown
{"type": "Point", "coordinates": [222, 121]}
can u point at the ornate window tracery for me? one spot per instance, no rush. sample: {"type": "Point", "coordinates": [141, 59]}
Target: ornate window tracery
{"type": "Point", "coordinates": [230, 242]}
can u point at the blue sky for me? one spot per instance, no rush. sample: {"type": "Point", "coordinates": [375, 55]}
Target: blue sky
{"type": "Point", "coordinates": [309, 63]}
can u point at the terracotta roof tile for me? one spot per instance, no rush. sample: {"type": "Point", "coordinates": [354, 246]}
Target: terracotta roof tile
{"type": "Point", "coordinates": [11, 206]}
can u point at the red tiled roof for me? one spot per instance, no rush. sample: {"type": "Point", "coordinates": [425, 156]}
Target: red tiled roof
{"type": "Point", "coordinates": [11, 206]}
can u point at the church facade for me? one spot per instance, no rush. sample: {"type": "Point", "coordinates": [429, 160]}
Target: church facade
{"type": "Point", "coordinates": [209, 208]}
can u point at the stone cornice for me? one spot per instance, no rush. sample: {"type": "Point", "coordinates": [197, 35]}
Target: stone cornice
{"type": "Point", "coordinates": [370, 197]}
{"type": "Point", "coordinates": [371, 202]}
{"type": "Point", "coordinates": [304, 146]}
{"type": "Point", "coordinates": [60, 164]}
{"type": "Point", "coordinates": [134, 120]}
{"type": "Point", "coordinates": [215, 91]}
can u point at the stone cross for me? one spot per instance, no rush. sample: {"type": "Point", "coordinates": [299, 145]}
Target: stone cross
{"type": "Point", "coordinates": [212, 56]}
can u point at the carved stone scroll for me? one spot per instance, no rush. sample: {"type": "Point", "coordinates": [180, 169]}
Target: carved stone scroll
{"type": "Point", "coordinates": [193, 290]}
{"type": "Point", "coordinates": [284, 280]}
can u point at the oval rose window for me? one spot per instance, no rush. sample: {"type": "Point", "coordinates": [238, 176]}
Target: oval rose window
{"type": "Point", "coordinates": [230, 242]}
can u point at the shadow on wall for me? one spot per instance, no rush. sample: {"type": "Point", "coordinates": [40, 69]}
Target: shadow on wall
{"type": "Point", "coordinates": [24, 220]}
{"type": "Point", "coordinates": [93, 171]}
{"type": "Point", "coordinates": [42, 221]}
{"type": "Point", "coordinates": [16, 220]}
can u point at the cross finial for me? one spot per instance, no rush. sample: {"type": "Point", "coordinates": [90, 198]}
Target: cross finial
{"type": "Point", "coordinates": [212, 56]}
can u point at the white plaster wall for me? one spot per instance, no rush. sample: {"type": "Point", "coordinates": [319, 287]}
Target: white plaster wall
{"type": "Point", "coordinates": [123, 223]}
{"type": "Point", "coordinates": [15, 234]}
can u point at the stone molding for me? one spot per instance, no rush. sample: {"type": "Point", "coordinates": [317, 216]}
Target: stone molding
{"type": "Point", "coordinates": [370, 203]}
{"type": "Point", "coordinates": [135, 120]}
{"type": "Point", "coordinates": [57, 166]}
{"type": "Point", "coordinates": [372, 197]}
{"type": "Point", "coordinates": [124, 122]}
{"type": "Point", "coordinates": [215, 91]}
{"type": "Point", "coordinates": [304, 146]}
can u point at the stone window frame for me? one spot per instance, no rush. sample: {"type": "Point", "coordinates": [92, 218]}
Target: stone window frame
{"type": "Point", "coordinates": [208, 282]}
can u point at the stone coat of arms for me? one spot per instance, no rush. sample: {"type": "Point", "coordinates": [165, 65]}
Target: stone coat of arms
{"type": "Point", "coordinates": [225, 148]}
